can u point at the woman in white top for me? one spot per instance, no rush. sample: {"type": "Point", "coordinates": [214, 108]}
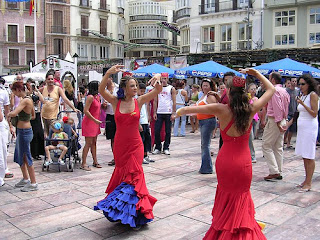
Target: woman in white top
{"type": "Point", "coordinates": [181, 99]}
{"type": "Point", "coordinates": [307, 127]}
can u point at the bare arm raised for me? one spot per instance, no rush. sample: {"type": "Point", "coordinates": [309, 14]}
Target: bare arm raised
{"type": "Point", "coordinates": [105, 80]}
{"type": "Point", "coordinates": [263, 100]}
{"type": "Point", "coordinates": [155, 82]}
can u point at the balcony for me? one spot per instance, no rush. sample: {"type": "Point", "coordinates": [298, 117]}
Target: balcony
{"type": "Point", "coordinates": [121, 37]}
{"type": "Point", "coordinates": [242, 45]}
{"type": "Point", "coordinates": [149, 41]}
{"type": "Point", "coordinates": [121, 10]}
{"type": "Point", "coordinates": [59, 1]}
{"type": "Point", "coordinates": [288, 3]}
{"type": "Point", "coordinates": [225, 47]}
{"type": "Point", "coordinates": [59, 29]}
{"type": "Point", "coordinates": [208, 47]}
{"type": "Point", "coordinates": [104, 7]}
{"type": "Point", "coordinates": [222, 6]}
{"type": "Point", "coordinates": [85, 4]}
{"type": "Point", "coordinates": [148, 17]}
{"type": "Point", "coordinates": [185, 49]}
{"type": "Point", "coordinates": [81, 32]}
{"type": "Point", "coordinates": [107, 34]}
{"type": "Point", "coordinates": [181, 13]}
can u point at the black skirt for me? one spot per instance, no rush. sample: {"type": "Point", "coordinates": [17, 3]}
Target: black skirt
{"type": "Point", "coordinates": [37, 143]}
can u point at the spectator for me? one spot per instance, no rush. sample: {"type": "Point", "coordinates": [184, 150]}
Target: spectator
{"type": "Point", "coordinates": [194, 99]}
{"type": "Point", "coordinates": [181, 100]}
{"type": "Point", "coordinates": [69, 92]}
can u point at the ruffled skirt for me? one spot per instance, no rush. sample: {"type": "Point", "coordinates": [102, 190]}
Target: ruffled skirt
{"type": "Point", "coordinates": [121, 205]}
{"type": "Point", "coordinates": [233, 217]}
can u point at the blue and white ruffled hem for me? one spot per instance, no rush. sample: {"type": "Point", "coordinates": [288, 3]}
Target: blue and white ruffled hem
{"type": "Point", "coordinates": [120, 205]}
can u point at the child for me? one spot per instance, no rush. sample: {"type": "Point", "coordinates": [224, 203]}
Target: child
{"type": "Point", "coordinates": [57, 134]}
{"type": "Point", "coordinates": [70, 122]}
{"type": "Point", "coordinates": [144, 126]}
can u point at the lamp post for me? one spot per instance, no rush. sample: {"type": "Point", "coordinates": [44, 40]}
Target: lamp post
{"type": "Point", "coordinates": [75, 56]}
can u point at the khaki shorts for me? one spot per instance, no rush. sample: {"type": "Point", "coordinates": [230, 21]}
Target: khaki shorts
{"type": "Point", "coordinates": [46, 125]}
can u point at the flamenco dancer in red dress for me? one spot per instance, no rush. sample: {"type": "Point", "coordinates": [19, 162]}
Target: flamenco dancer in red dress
{"type": "Point", "coordinates": [128, 199]}
{"type": "Point", "coordinates": [233, 210]}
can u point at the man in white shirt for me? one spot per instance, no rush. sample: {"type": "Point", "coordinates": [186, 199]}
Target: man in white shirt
{"type": "Point", "coordinates": [164, 111]}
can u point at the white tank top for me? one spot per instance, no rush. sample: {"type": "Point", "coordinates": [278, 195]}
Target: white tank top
{"type": "Point", "coordinates": [165, 101]}
{"type": "Point", "coordinates": [179, 98]}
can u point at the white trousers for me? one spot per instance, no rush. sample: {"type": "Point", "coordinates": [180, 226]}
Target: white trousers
{"type": "Point", "coordinates": [4, 140]}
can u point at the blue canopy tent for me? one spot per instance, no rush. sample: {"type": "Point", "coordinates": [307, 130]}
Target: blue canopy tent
{"type": "Point", "coordinates": [206, 69]}
{"type": "Point", "coordinates": [288, 67]}
{"type": "Point", "coordinates": [150, 70]}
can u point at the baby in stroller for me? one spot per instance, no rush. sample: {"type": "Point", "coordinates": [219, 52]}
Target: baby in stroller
{"type": "Point", "coordinates": [57, 134]}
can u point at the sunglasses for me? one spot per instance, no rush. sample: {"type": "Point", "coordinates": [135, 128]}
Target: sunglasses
{"type": "Point", "coordinates": [301, 84]}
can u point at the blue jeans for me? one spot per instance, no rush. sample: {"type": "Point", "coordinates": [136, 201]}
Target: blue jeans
{"type": "Point", "coordinates": [206, 128]}
{"type": "Point", "coordinates": [80, 116]}
{"type": "Point", "coordinates": [183, 124]}
{"type": "Point", "coordinates": [157, 130]}
{"type": "Point", "coordinates": [24, 137]}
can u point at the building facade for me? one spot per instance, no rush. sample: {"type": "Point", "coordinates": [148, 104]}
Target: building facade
{"type": "Point", "coordinates": [17, 38]}
{"type": "Point", "coordinates": [148, 38]}
{"type": "Point", "coordinates": [219, 25]}
{"type": "Point", "coordinates": [103, 17]}
{"type": "Point", "coordinates": [291, 23]}
{"type": "Point", "coordinates": [57, 27]}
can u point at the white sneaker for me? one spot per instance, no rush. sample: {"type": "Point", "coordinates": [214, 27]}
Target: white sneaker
{"type": "Point", "coordinates": [149, 159]}
{"type": "Point", "coordinates": [30, 187]}
{"type": "Point", "coordinates": [48, 162]}
{"type": "Point", "coordinates": [156, 151]}
{"type": "Point", "coordinates": [145, 161]}
{"type": "Point", "coordinates": [166, 152]}
{"type": "Point", "coordinates": [22, 183]}
{"type": "Point", "coordinates": [61, 162]}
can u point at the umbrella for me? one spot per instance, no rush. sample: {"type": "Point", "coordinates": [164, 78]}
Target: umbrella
{"type": "Point", "coordinates": [151, 70]}
{"type": "Point", "coordinates": [288, 67]}
{"type": "Point", "coordinates": [206, 69]}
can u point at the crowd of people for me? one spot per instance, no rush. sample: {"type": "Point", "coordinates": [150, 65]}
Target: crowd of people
{"type": "Point", "coordinates": [137, 118]}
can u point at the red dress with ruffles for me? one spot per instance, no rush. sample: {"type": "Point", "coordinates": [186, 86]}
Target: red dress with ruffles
{"type": "Point", "coordinates": [127, 187]}
{"type": "Point", "coordinates": [233, 210]}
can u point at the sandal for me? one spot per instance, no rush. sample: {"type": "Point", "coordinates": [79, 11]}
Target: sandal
{"type": "Point", "coordinates": [86, 168]}
{"type": "Point", "coordinates": [111, 163]}
{"type": "Point", "coordinates": [96, 165]}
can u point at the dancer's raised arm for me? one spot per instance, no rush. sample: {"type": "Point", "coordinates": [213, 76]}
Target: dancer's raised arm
{"type": "Point", "coordinates": [105, 80]}
{"type": "Point", "coordinates": [155, 82]}
{"type": "Point", "coordinates": [263, 100]}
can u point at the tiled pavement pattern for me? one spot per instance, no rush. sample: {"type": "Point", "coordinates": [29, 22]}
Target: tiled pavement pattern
{"type": "Point", "coordinates": [62, 208]}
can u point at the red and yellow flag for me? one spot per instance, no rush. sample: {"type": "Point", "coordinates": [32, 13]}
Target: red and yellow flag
{"type": "Point", "coordinates": [31, 7]}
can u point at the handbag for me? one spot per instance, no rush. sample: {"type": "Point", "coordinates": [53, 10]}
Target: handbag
{"type": "Point", "coordinates": [14, 121]}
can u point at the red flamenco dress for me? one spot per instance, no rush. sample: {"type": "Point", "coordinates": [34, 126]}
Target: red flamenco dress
{"type": "Point", "coordinates": [128, 199]}
{"type": "Point", "coordinates": [233, 210]}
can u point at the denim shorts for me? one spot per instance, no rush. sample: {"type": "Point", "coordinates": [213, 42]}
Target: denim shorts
{"type": "Point", "coordinates": [24, 137]}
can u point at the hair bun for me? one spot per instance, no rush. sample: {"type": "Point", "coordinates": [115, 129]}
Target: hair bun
{"type": "Point", "coordinates": [238, 81]}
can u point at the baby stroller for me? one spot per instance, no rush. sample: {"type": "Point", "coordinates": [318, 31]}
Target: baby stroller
{"type": "Point", "coordinates": [72, 143]}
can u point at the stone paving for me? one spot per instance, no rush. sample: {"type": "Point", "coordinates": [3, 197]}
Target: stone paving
{"type": "Point", "coordinates": [62, 208]}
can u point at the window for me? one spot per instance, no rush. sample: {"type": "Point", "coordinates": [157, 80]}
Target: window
{"type": "Point", "coordinates": [84, 3]}
{"type": "Point", "coordinates": [82, 50]}
{"type": "Point", "coordinates": [12, 5]}
{"type": "Point", "coordinates": [103, 26]}
{"type": "Point", "coordinates": [58, 47]}
{"type": "Point", "coordinates": [13, 33]}
{"type": "Point", "coordinates": [286, 39]}
{"type": "Point", "coordinates": [226, 31]}
{"type": "Point", "coordinates": [315, 15]}
{"type": "Point", "coordinates": [314, 38]}
{"type": "Point", "coordinates": [244, 34]}
{"type": "Point", "coordinates": [208, 34]}
{"type": "Point", "coordinates": [13, 56]}
{"type": "Point", "coordinates": [93, 51]}
{"type": "Point", "coordinates": [57, 22]}
{"type": "Point", "coordinates": [121, 3]}
{"type": "Point", "coordinates": [119, 51]}
{"type": "Point", "coordinates": [29, 34]}
{"type": "Point", "coordinates": [84, 25]}
{"type": "Point", "coordinates": [103, 4]}
{"type": "Point", "coordinates": [27, 5]}
{"type": "Point", "coordinates": [104, 52]}
{"type": "Point", "coordinates": [136, 54]}
{"type": "Point", "coordinates": [147, 31]}
{"type": "Point", "coordinates": [148, 53]}
{"type": "Point", "coordinates": [285, 18]}
{"type": "Point", "coordinates": [29, 56]}
{"type": "Point", "coordinates": [185, 37]}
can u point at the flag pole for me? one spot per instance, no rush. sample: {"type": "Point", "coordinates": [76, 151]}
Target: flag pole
{"type": "Point", "coordinates": [35, 32]}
